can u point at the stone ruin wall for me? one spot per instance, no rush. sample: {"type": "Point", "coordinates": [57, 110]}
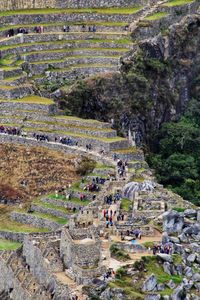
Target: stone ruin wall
{"type": "Point", "coordinates": [29, 4]}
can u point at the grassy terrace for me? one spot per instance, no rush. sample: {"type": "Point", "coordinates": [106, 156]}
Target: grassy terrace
{"type": "Point", "coordinates": [60, 221]}
{"type": "Point", "coordinates": [125, 204]}
{"type": "Point", "coordinates": [176, 3]}
{"type": "Point", "coordinates": [31, 100]}
{"type": "Point", "coordinates": [8, 245]}
{"type": "Point", "coordinates": [66, 133]}
{"type": "Point", "coordinates": [72, 200]}
{"type": "Point", "coordinates": [71, 126]}
{"type": "Point", "coordinates": [109, 11]}
{"type": "Point", "coordinates": [125, 151]}
{"type": "Point", "coordinates": [79, 48]}
{"type": "Point", "coordinates": [73, 57]}
{"type": "Point", "coordinates": [13, 226]}
{"type": "Point", "coordinates": [68, 58]}
{"type": "Point", "coordinates": [10, 79]}
{"type": "Point", "coordinates": [52, 206]}
{"type": "Point", "coordinates": [156, 16]}
{"type": "Point", "coordinates": [72, 118]}
{"type": "Point", "coordinates": [64, 42]}
{"type": "Point", "coordinates": [78, 23]}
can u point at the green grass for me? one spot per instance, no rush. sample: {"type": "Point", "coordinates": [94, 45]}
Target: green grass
{"type": "Point", "coordinates": [69, 126]}
{"type": "Point", "coordinates": [72, 134]}
{"type": "Point", "coordinates": [126, 151]}
{"type": "Point", "coordinates": [119, 254]}
{"type": "Point", "coordinates": [179, 209]}
{"type": "Point", "coordinates": [60, 221]}
{"type": "Point", "coordinates": [109, 11]}
{"type": "Point", "coordinates": [80, 23]}
{"type": "Point", "coordinates": [177, 259]}
{"type": "Point", "coordinates": [125, 204]}
{"type": "Point", "coordinates": [13, 226]}
{"type": "Point", "coordinates": [155, 16]}
{"type": "Point", "coordinates": [78, 49]}
{"type": "Point", "coordinates": [52, 206]}
{"type": "Point", "coordinates": [9, 245]}
{"type": "Point", "coordinates": [72, 200]}
{"type": "Point", "coordinates": [153, 267]}
{"type": "Point", "coordinates": [103, 167]}
{"type": "Point", "coordinates": [148, 244]}
{"type": "Point", "coordinates": [68, 58]}
{"type": "Point", "coordinates": [176, 3]}
{"type": "Point", "coordinates": [32, 100]}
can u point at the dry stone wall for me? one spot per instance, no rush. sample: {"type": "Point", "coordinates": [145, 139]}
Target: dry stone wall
{"type": "Point", "coordinates": [34, 221]}
{"type": "Point", "coordinates": [28, 4]}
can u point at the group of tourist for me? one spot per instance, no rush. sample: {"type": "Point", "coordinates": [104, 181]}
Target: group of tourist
{"type": "Point", "coordinates": [10, 130]}
{"type": "Point", "coordinates": [91, 187]}
{"type": "Point", "coordinates": [88, 147]}
{"type": "Point", "coordinates": [136, 233]}
{"type": "Point", "coordinates": [108, 216]}
{"type": "Point", "coordinates": [109, 199]}
{"type": "Point", "coordinates": [166, 249]}
{"type": "Point", "coordinates": [39, 29]}
{"type": "Point", "coordinates": [109, 274]}
{"type": "Point", "coordinates": [121, 168]}
{"type": "Point", "coordinates": [67, 141]}
{"type": "Point", "coordinates": [98, 180]}
{"type": "Point", "coordinates": [12, 31]}
{"type": "Point", "coordinates": [41, 137]}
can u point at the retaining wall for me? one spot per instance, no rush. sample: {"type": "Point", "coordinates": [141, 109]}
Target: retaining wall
{"type": "Point", "coordinates": [34, 221]}
{"type": "Point", "coordinates": [24, 4]}
{"type": "Point", "coordinates": [50, 211]}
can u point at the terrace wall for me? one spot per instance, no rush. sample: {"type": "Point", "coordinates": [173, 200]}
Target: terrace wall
{"type": "Point", "coordinates": [28, 4]}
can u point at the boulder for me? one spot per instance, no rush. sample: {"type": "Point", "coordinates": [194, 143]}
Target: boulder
{"type": "Point", "coordinates": [195, 248]}
{"type": "Point", "coordinates": [165, 257]}
{"type": "Point", "coordinates": [182, 237]}
{"type": "Point", "coordinates": [167, 268]}
{"type": "Point", "coordinates": [171, 284]}
{"type": "Point", "coordinates": [188, 272]}
{"type": "Point", "coordinates": [113, 293]}
{"type": "Point", "coordinates": [149, 284]}
{"type": "Point", "coordinates": [179, 269]}
{"type": "Point", "coordinates": [165, 238]}
{"type": "Point", "coordinates": [197, 286]}
{"type": "Point", "coordinates": [194, 297]}
{"type": "Point", "coordinates": [191, 258]}
{"type": "Point", "coordinates": [174, 239]}
{"type": "Point", "coordinates": [173, 222]}
{"type": "Point", "coordinates": [198, 216]}
{"type": "Point", "coordinates": [152, 297]}
{"type": "Point", "coordinates": [179, 293]}
{"type": "Point", "coordinates": [190, 213]}
{"type": "Point", "coordinates": [160, 287]}
{"type": "Point", "coordinates": [166, 297]}
{"type": "Point", "coordinates": [192, 229]}
{"type": "Point", "coordinates": [196, 277]}
{"type": "Point", "coordinates": [178, 248]}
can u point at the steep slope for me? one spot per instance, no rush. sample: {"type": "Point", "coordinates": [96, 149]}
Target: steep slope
{"type": "Point", "coordinates": [153, 87]}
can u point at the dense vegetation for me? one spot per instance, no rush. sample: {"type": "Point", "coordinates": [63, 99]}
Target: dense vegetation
{"type": "Point", "coordinates": [176, 158]}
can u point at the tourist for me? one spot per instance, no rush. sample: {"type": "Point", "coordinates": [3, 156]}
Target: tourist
{"type": "Point", "coordinates": [64, 28]}
{"type": "Point", "coordinates": [94, 29]}
{"type": "Point", "coordinates": [83, 28]}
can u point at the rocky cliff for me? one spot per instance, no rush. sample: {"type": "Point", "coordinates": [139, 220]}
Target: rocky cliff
{"type": "Point", "coordinates": [153, 86]}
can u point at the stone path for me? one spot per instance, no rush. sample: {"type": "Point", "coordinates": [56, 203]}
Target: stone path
{"type": "Point", "coordinates": [75, 289]}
